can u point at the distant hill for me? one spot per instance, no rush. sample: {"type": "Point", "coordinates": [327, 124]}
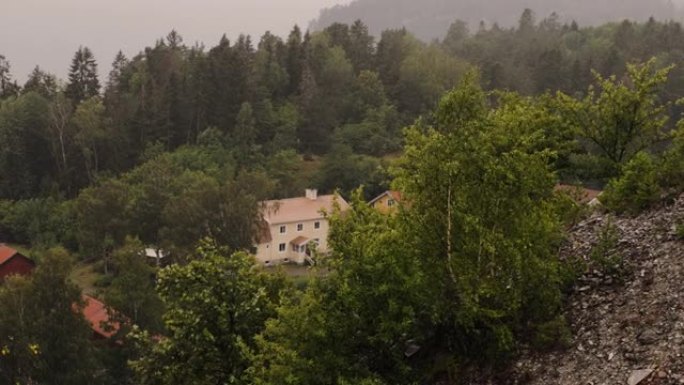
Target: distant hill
{"type": "Point", "coordinates": [430, 19]}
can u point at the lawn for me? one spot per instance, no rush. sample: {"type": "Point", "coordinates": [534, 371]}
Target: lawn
{"type": "Point", "coordinates": [85, 276]}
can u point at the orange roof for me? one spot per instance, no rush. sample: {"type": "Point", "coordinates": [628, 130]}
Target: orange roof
{"type": "Point", "coordinates": [95, 312]}
{"type": "Point", "coordinates": [396, 195]}
{"type": "Point", "coordinates": [6, 253]}
{"type": "Point", "coordinates": [300, 209]}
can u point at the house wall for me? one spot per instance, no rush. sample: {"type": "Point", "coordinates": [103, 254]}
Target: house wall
{"type": "Point", "coordinates": [270, 253]}
{"type": "Point", "coordinates": [382, 204]}
{"type": "Point", "coordinates": [17, 265]}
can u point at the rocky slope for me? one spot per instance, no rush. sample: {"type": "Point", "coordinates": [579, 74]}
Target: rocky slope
{"type": "Point", "coordinates": [626, 330]}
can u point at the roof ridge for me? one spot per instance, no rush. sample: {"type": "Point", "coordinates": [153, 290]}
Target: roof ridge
{"type": "Point", "coordinates": [298, 198]}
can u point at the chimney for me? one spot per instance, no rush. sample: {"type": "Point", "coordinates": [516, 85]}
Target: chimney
{"type": "Point", "coordinates": [311, 194]}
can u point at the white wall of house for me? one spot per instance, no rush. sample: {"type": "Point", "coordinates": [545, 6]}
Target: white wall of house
{"type": "Point", "coordinates": [270, 252]}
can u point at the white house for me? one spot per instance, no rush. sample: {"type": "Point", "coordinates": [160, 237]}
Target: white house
{"type": "Point", "coordinates": [292, 226]}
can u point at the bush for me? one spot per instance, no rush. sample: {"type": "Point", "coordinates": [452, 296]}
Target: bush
{"type": "Point", "coordinates": [604, 255]}
{"type": "Point", "coordinates": [636, 189]}
{"type": "Point", "coordinates": [553, 334]}
{"type": "Point", "coordinates": [672, 174]}
{"type": "Point", "coordinates": [568, 209]}
{"type": "Point", "coordinates": [570, 270]}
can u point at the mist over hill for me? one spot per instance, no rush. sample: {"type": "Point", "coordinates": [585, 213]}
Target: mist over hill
{"type": "Point", "coordinates": [429, 19]}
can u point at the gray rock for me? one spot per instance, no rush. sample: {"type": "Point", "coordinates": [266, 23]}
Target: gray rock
{"type": "Point", "coordinates": [647, 337]}
{"type": "Point", "coordinates": [638, 376]}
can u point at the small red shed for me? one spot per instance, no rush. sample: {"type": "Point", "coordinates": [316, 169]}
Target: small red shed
{"type": "Point", "coordinates": [13, 262]}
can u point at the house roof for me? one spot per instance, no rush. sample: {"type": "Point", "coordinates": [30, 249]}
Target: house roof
{"type": "Point", "coordinates": [6, 253]}
{"type": "Point", "coordinates": [300, 209]}
{"type": "Point", "coordinates": [396, 195]}
{"type": "Point", "coordinates": [95, 312]}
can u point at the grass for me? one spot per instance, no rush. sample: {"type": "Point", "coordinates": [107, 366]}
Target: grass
{"type": "Point", "coordinates": [85, 276]}
{"type": "Point", "coordinates": [299, 275]}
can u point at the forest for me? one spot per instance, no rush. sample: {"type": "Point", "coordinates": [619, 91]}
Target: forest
{"type": "Point", "coordinates": [428, 19]}
{"type": "Point", "coordinates": [177, 147]}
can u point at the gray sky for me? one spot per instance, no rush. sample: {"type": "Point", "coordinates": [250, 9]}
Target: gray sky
{"type": "Point", "coordinates": [48, 32]}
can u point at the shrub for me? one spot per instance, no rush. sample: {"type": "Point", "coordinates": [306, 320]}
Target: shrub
{"type": "Point", "coordinates": [636, 189]}
{"type": "Point", "coordinates": [605, 255]}
{"type": "Point", "coordinates": [672, 174]}
{"type": "Point", "coordinates": [568, 209]}
{"type": "Point", "coordinates": [553, 334]}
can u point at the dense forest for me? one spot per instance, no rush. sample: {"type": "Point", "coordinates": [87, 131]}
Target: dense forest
{"type": "Point", "coordinates": [177, 146]}
{"type": "Point", "coordinates": [429, 18]}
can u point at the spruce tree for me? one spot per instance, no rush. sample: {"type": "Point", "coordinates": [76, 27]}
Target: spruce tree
{"type": "Point", "coordinates": [83, 80]}
{"type": "Point", "coordinates": [7, 86]}
{"type": "Point", "coordinates": [41, 82]}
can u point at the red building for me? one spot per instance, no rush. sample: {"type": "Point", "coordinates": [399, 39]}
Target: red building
{"type": "Point", "coordinates": [12, 262]}
{"type": "Point", "coordinates": [97, 315]}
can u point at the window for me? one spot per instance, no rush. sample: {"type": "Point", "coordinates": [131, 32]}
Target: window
{"type": "Point", "coordinates": [282, 247]}
{"type": "Point", "coordinates": [317, 225]}
{"type": "Point", "coordinates": [300, 227]}
{"type": "Point", "coordinates": [316, 241]}
{"type": "Point", "coordinates": [390, 202]}
{"type": "Point", "coordinates": [283, 229]}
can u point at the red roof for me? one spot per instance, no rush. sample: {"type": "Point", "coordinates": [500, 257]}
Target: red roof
{"type": "Point", "coordinates": [6, 253]}
{"type": "Point", "coordinates": [95, 312]}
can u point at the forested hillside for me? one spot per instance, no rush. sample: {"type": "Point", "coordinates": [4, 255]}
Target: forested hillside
{"type": "Point", "coordinates": [429, 18]}
{"type": "Point", "coordinates": [175, 149]}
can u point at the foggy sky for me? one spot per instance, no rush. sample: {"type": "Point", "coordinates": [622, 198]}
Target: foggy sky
{"type": "Point", "coordinates": [48, 32]}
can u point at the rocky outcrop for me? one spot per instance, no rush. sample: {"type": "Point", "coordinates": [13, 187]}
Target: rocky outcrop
{"type": "Point", "coordinates": [627, 329]}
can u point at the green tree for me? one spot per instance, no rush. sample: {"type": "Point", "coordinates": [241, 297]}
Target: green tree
{"type": "Point", "coordinates": [458, 32]}
{"type": "Point", "coordinates": [482, 219]}
{"type": "Point", "coordinates": [7, 86]}
{"type": "Point", "coordinates": [41, 82]}
{"type": "Point", "coordinates": [132, 290]}
{"type": "Point", "coordinates": [83, 81]}
{"type": "Point", "coordinates": [244, 135]}
{"type": "Point", "coordinates": [43, 336]}
{"type": "Point", "coordinates": [672, 175]}
{"type": "Point", "coordinates": [620, 118]}
{"type": "Point", "coordinates": [25, 164]}
{"type": "Point", "coordinates": [214, 308]}
{"type": "Point", "coordinates": [636, 189]}
{"type": "Point", "coordinates": [102, 219]}
{"type": "Point", "coordinates": [338, 331]}
{"type": "Point", "coordinates": [93, 135]}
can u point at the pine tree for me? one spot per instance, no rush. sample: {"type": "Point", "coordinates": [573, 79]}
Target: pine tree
{"type": "Point", "coordinates": [361, 48]}
{"type": "Point", "coordinates": [295, 58]}
{"type": "Point", "coordinates": [83, 80]}
{"type": "Point", "coordinates": [7, 86]}
{"type": "Point", "coordinates": [41, 82]}
{"type": "Point", "coordinates": [115, 75]}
